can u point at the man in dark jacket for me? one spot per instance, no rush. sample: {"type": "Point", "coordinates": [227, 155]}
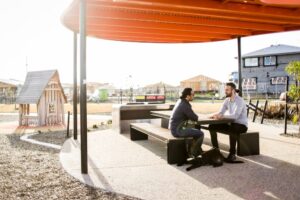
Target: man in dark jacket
{"type": "Point", "coordinates": [180, 114]}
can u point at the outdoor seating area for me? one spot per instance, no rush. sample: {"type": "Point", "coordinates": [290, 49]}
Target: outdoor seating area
{"type": "Point", "coordinates": [247, 143]}
{"type": "Point", "coordinates": [140, 168]}
{"type": "Point", "coordinates": [150, 99]}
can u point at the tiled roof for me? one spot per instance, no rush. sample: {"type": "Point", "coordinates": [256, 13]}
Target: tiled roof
{"type": "Point", "coordinates": [274, 50]}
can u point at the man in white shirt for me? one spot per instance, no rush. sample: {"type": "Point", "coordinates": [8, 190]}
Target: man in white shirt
{"type": "Point", "coordinates": [234, 108]}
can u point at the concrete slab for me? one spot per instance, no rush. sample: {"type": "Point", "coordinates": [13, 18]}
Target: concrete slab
{"type": "Point", "coordinates": [140, 169]}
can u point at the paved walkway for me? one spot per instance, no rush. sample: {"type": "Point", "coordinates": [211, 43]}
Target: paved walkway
{"type": "Point", "coordinates": [140, 169]}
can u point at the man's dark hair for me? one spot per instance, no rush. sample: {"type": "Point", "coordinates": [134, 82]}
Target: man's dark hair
{"type": "Point", "coordinates": [233, 86]}
{"type": "Point", "coordinates": [186, 92]}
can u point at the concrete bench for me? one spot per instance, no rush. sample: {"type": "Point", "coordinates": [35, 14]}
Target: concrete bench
{"type": "Point", "coordinates": [176, 147]}
{"type": "Point", "coordinates": [248, 143]}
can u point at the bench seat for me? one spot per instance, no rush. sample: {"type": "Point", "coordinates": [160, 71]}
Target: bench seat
{"type": "Point", "coordinates": [176, 147]}
{"type": "Point", "coordinates": [248, 143]}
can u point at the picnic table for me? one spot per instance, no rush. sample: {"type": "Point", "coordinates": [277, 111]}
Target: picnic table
{"type": "Point", "coordinates": [202, 120]}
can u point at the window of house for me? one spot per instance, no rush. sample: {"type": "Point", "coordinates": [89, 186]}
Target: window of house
{"type": "Point", "coordinates": [270, 60]}
{"type": "Point", "coordinates": [251, 62]}
{"type": "Point", "coordinates": [279, 80]}
{"type": "Point", "coordinates": [249, 83]}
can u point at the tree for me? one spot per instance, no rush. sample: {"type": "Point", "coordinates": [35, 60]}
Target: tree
{"type": "Point", "coordinates": [293, 69]}
{"type": "Point", "coordinates": [103, 95]}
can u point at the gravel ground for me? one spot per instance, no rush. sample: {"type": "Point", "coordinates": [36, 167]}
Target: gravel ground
{"type": "Point", "coordinates": [58, 137]}
{"type": "Point", "coordinates": [32, 172]}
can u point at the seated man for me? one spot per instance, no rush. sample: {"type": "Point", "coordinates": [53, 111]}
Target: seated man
{"type": "Point", "coordinates": [237, 110]}
{"type": "Point", "coordinates": [180, 114]}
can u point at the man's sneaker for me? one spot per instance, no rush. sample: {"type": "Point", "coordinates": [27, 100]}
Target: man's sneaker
{"type": "Point", "coordinates": [231, 158]}
{"type": "Point", "coordinates": [197, 152]}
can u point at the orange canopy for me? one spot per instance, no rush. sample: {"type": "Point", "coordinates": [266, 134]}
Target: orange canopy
{"type": "Point", "coordinates": [180, 21]}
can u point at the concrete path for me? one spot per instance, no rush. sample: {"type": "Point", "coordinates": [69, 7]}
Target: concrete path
{"type": "Point", "coordinates": [12, 127]}
{"type": "Point", "coordinates": [140, 169]}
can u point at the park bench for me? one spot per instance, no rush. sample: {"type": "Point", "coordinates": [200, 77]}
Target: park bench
{"type": "Point", "coordinates": [247, 143]}
{"type": "Point", "coordinates": [176, 147]}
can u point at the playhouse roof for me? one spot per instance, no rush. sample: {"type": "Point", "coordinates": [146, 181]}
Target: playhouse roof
{"type": "Point", "coordinates": [35, 85]}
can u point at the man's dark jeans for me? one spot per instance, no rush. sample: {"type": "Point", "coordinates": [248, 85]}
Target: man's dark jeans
{"type": "Point", "coordinates": [198, 136]}
{"type": "Point", "coordinates": [233, 130]}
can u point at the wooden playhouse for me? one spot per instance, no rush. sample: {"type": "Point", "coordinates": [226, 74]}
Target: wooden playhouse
{"type": "Point", "coordinates": [42, 88]}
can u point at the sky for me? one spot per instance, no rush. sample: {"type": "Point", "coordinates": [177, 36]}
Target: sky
{"type": "Point", "coordinates": [31, 30]}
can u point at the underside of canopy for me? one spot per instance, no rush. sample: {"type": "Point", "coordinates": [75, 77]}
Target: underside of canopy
{"type": "Point", "coordinates": [183, 21]}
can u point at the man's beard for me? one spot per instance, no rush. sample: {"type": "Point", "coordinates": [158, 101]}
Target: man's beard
{"type": "Point", "coordinates": [228, 95]}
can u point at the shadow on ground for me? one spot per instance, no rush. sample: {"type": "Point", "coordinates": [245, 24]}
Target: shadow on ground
{"type": "Point", "coordinates": [260, 177]}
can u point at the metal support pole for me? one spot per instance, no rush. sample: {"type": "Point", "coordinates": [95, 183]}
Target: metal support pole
{"type": "Point", "coordinates": [68, 125]}
{"type": "Point", "coordinates": [75, 88]}
{"type": "Point", "coordinates": [121, 94]}
{"type": "Point", "coordinates": [286, 105]}
{"type": "Point", "coordinates": [83, 113]}
{"type": "Point", "coordinates": [240, 65]}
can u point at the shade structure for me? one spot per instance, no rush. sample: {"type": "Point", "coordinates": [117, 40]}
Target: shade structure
{"type": "Point", "coordinates": [280, 2]}
{"type": "Point", "coordinates": [178, 21]}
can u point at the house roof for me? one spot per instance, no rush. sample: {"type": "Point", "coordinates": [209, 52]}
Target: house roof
{"type": "Point", "coordinates": [11, 82]}
{"type": "Point", "coordinates": [200, 78]}
{"type": "Point", "coordinates": [35, 85]}
{"type": "Point", "coordinates": [106, 86]}
{"type": "Point", "coordinates": [160, 85]}
{"type": "Point", "coordinates": [279, 49]}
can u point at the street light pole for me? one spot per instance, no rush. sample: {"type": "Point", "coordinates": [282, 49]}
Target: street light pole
{"type": "Point", "coordinates": [75, 88]}
{"type": "Point", "coordinates": [286, 104]}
